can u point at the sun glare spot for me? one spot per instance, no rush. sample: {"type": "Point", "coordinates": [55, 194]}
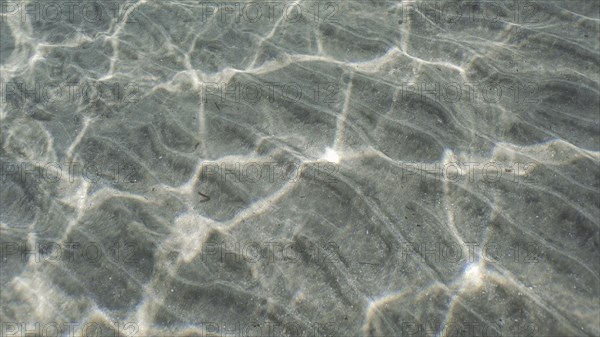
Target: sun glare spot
{"type": "Point", "coordinates": [331, 155]}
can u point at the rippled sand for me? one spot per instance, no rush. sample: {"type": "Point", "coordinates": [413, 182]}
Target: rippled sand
{"type": "Point", "coordinates": [366, 168]}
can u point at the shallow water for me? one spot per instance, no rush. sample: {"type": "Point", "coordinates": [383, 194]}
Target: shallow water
{"type": "Point", "coordinates": [300, 168]}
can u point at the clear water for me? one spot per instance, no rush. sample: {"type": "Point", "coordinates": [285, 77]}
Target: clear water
{"type": "Point", "coordinates": [300, 168]}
